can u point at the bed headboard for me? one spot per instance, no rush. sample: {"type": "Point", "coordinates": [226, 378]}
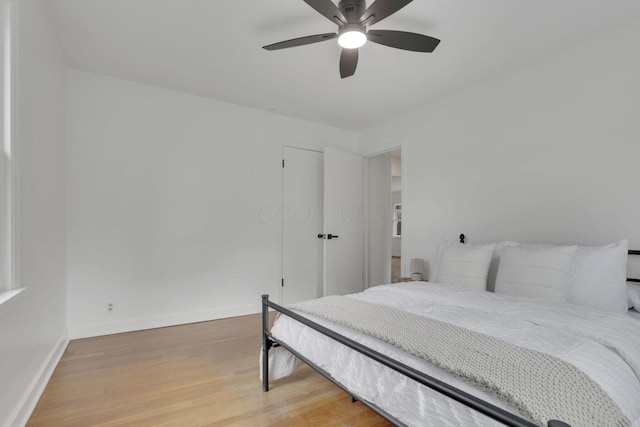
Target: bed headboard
{"type": "Point", "coordinates": [631, 252]}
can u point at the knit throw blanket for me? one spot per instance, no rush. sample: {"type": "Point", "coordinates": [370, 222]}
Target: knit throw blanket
{"type": "Point", "coordinates": [542, 387]}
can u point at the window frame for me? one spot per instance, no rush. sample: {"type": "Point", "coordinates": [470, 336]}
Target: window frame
{"type": "Point", "coordinates": [8, 75]}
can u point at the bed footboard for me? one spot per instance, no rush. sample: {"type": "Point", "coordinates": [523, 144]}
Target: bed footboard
{"type": "Point", "coordinates": [269, 341]}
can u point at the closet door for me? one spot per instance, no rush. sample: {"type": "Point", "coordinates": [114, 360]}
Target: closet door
{"type": "Point", "coordinates": [302, 221]}
{"type": "Point", "coordinates": [322, 224]}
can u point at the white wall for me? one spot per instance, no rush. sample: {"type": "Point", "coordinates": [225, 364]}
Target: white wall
{"type": "Point", "coordinates": [172, 204]}
{"type": "Point", "coordinates": [546, 154]}
{"type": "Point", "coordinates": [33, 325]}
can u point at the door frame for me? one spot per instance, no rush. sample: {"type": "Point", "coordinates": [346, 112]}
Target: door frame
{"type": "Point", "coordinates": [387, 148]}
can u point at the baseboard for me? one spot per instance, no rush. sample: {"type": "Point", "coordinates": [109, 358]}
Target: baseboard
{"type": "Point", "coordinates": [29, 400]}
{"type": "Point", "coordinates": [138, 324]}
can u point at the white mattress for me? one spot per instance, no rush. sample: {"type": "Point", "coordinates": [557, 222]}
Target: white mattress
{"type": "Point", "coordinates": [605, 346]}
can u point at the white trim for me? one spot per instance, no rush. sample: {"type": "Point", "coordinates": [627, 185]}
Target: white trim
{"type": "Point", "coordinates": [300, 145]}
{"type": "Point", "coordinates": [6, 276]}
{"type": "Point", "coordinates": [8, 298]}
{"type": "Point", "coordinates": [404, 195]}
{"type": "Point", "coordinates": [17, 283]}
{"type": "Point", "coordinates": [8, 161]}
{"type": "Point", "coordinates": [365, 234]}
{"type": "Point", "coordinates": [280, 219]}
{"type": "Point", "coordinates": [31, 396]}
{"type": "Point", "coordinates": [386, 148]}
{"type": "Point", "coordinates": [142, 323]}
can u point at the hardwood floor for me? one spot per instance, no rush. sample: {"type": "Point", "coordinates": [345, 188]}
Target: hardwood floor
{"type": "Point", "coordinates": [202, 374]}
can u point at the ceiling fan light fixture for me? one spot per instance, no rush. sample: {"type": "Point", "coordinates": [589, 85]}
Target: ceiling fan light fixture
{"type": "Point", "coordinates": [354, 20]}
{"type": "Point", "coordinates": [352, 37]}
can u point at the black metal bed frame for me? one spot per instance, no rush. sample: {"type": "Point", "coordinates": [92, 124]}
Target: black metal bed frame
{"type": "Point", "coordinates": [269, 341]}
{"type": "Point", "coordinates": [633, 252]}
{"type": "Point", "coordinates": [486, 408]}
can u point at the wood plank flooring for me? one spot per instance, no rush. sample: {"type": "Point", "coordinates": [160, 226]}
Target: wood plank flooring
{"type": "Point", "coordinates": [202, 374]}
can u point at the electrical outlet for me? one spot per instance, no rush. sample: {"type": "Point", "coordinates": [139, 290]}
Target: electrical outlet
{"type": "Point", "coordinates": [109, 308]}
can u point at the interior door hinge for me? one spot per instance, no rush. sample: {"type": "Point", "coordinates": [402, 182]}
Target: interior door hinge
{"type": "Point", "coordinates": [282, 162]}
{"type": "Point", "coordinates": [282, 283]}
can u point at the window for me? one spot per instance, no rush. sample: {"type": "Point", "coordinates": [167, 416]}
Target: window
{"type": "Point", "coordinates": [7, 237]}
{"type": "Point", "coordinates": [397, 220]}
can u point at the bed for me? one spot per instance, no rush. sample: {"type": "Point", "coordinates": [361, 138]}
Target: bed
{"type": "Point", "coordinates": [408, 389]}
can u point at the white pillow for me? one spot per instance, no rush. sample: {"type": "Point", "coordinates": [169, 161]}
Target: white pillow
{"type": "Point", "coordinates": [598, 276]}
{"type": "Point", "coordinates": [633, 296]}
{"type": "Point", "coordinates": [534, 272]}
{"type": "Point", "coordinates": [464, 265]}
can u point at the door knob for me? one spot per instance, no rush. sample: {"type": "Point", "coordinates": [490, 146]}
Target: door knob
{"type": "Point", "coordinates": [320, 236]}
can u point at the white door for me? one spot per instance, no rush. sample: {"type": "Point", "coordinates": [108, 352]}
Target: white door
{"type": "Point", "coordinates": [302, 201]}
{"type": "Point", "coordinates": [344, 218]}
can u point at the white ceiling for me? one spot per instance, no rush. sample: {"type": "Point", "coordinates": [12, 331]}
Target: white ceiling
{"type": "Point", "coordinates": [212, 48]}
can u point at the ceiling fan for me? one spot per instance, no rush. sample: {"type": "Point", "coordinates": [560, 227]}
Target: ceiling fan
{"type": "Point", "coordinates": [353, 20]}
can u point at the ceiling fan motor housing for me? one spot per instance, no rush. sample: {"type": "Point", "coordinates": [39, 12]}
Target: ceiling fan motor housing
{"type": "Point", "coordinates": [352, 9]}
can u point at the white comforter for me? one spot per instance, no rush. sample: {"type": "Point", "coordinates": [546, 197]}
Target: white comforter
{"type": "Point", "coordinates": [605, 346]}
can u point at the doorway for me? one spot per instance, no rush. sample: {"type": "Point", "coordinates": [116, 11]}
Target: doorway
{"type": "Point", "coordinates": [384, 208]}
{"type": "Point", "coordinates": [396, 200]}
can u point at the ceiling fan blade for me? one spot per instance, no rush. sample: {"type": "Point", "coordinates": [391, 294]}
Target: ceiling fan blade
{"type": "Point", "coordinates": [403, 40]}
{"type": "Point", "coordinates": [348, 62]}
{"type": "Point", "coordinates": [329, 10]}
{"type": "Point", "coordinates": [301, 41]}
{"type": "Point", "coordinates": [381, 9]}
